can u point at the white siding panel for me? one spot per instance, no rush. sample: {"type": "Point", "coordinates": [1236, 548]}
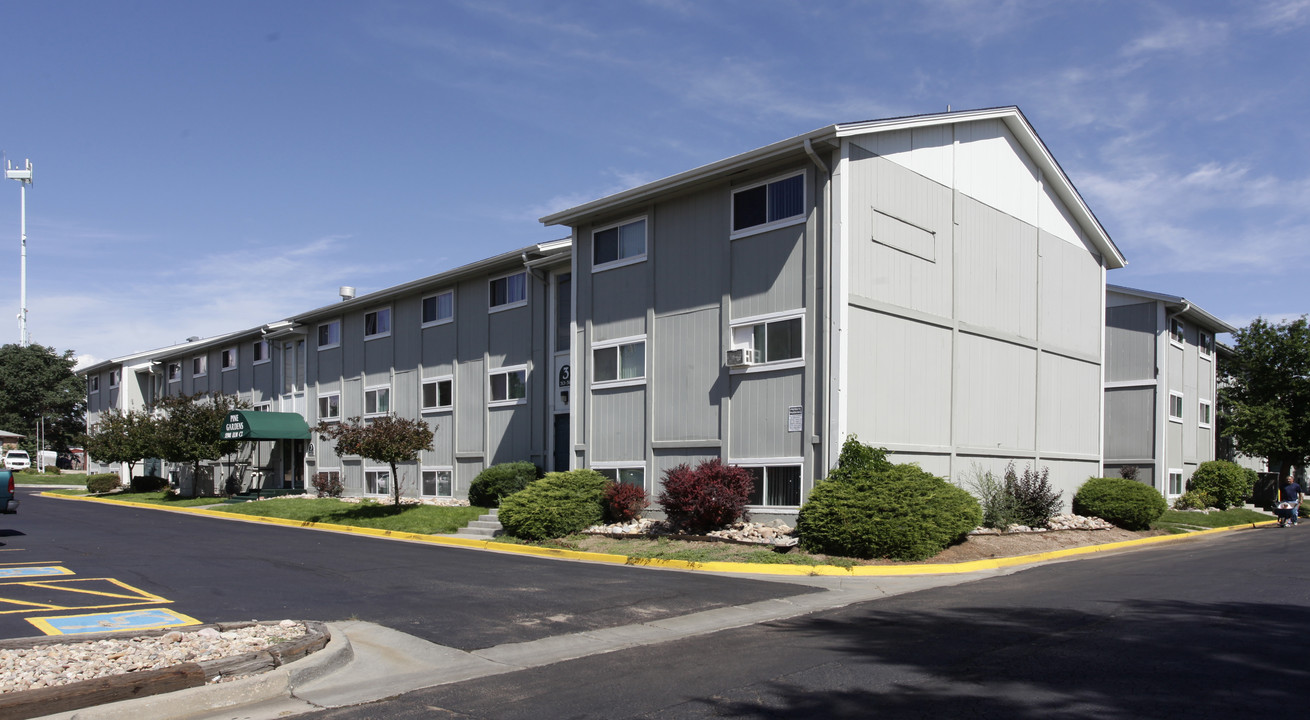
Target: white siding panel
{"type": "Point", "coordinates": [1055, 219]}
{"type": "Point", "coordinates": [900, 380]}
{"type": "Point", "coordinates": [993, 169]}
{"type": "Point", "coordinates": [1069, 475]}
{"type": "Point", "coordinates": [1069, 405]}
{"type": "Point", "coordinates": [926, 151]}
{"type": "Point", "coordinates": [1070, 298]}
{"type": "Point", "coordinates": [995, 394]}
{"type": "Point", "coordinates": [997, 282]}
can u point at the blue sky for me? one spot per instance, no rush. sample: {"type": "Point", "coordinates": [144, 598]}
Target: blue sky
{"type": "Point", "coordinates": [203, 168]}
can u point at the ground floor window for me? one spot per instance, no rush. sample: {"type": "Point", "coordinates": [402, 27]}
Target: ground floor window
{"type": "Point", "coordinates": [436, 482]}
{"type": "Point", "coordinates": [377, 482]}
{"type": "Point", "coordinates": [1175, 482]}
{"type": "Point", "coordinates": [628, 475]}
{"type": "Point", "coordinates": [775, 485]}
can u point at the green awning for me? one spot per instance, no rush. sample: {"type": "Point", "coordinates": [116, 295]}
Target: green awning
{"type": "Point", "coordinates": [256, 425]}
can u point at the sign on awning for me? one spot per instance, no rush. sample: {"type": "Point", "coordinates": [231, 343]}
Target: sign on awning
{"type": "Point", "coordinates": [257, 425]}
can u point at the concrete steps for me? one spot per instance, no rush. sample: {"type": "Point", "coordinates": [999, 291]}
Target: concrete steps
{"type": "Point", "coordinates": [484, 528]}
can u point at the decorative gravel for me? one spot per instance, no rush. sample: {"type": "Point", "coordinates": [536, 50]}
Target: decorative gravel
{"type": "Point", "coordinates": [62, 664]}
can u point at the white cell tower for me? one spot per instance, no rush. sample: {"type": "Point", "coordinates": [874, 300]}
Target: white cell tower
{"type": "Point", "coordinates": [24, 176]}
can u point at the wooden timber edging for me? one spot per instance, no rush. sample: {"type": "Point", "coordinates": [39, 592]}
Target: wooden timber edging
{"type": "Point", "coordinates": [143, 683]}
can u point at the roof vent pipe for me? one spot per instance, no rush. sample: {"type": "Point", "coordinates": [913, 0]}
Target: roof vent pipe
{"type": "Point", "coordinates": [346, 292]}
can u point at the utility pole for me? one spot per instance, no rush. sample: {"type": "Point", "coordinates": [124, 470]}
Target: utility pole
{"type": "Point", "coordinates": [24, 177]}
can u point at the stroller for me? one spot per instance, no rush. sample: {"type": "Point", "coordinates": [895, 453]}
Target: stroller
{"type": "Point", "coordinates": [1286, 512]}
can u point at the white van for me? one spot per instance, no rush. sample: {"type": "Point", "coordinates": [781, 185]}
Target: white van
{"type": "Point", "coordinates": [17, 460]}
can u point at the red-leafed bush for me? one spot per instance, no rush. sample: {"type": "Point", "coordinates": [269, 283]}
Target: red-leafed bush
{"type": "Point", "coordinates": [709, 497]}
{"type": "Point", "coordinates": [624, 502]}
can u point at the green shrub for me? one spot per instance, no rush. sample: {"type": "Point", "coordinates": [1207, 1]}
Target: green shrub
{"type": "Point", "coordinates": [1125, 503]}
{"type": "Point", "coordinates": [103, 483]}
{"type": "Point", "coordinates": [900, 512]}
{"type": "Point", "coordinates": [559, 504]}
{"type": "Point", "coordinates": [1228, 483]}
{"type": "Point", "coordinates": [1194, 500]}
{"type": "Point", "coordinates": [856, 458]}
{"type": "Point", "coordinates": [997, 505]}
{"type": "Point", "coordinates": [500, 481]}
{"type": "Point", "coordinates": [148, 483]}
{"type": "Point", "coordinates": [51, 470]}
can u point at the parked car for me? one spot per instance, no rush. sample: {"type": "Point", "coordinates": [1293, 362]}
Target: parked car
{"type": "Point", "coordinates": [17, 460]}
{"type": "Point", "coordinates": [8, 502]}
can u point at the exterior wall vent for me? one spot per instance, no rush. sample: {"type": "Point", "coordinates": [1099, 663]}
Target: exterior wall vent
{"type": "Point", "coordinates": [346, 292]}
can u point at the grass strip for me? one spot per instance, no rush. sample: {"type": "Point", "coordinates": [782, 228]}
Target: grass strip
{"type": "Point", "coordinates": [419, 519]}
{"type": "Point", "coordinates": [1177, 520]}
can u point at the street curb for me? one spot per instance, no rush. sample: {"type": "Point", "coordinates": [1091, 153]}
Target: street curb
{"type": "Point", "coordinates": [713, 567]}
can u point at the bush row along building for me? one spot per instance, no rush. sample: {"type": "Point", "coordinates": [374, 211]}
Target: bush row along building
{"type": "Point", "coordinates": [934, 285]}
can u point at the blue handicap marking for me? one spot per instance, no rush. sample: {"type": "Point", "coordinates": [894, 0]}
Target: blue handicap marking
{"type": "Point", "coordinates": [145, 619]}
{"type": "Point", "coordinates": [35, 571]}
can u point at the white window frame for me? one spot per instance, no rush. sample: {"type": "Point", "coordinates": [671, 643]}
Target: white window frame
{"type": "Point", "coordinates": [228, 353]}
{"type": "Point", "coordinates": [375, 491]}
{"type": "Point", "coordinates": [774, 225]}
{"type": "Point", "coordinates": [616, 345]}
{"type": "Point", "coordinates": [620, 465]}
{"type": "Point", "coordinates": [436, 381]}
{"type": "Point", "coordinates": [379, 314]}
{"type": "Point", "coordinates": [318, 334]}
{"type": "Point", "coordinates": [199, 366]}
{"type": "Point", "coordinates": [325, 396]}
{"type": "Point", "coordinates": [255, 352]}
{"type": "Point", "coordinates": [336, 470]}
{"type": "Point", "coordinates": [620, 262]}
{"type": "Point", "coordinates": [766, 463]}
{"type": "Point", "coordinates": [1169, 482]}
{"type": "Point", "coordinates": [422, 492]}
{"type": "Point", "coordinates": [374, 389]}
{"type": "Point", "coordinates": [437, 297]}
{"type": "Point", "coordinates": [509, 305]}
{"type": "Point", "coordinates": [173, 372]}
{"type": "Point", "coordinates": [506, 371]}
{"type": "Point", "coordinates": [1179, 340]}
{"type": "Point", "coordinates": [265, 407]}
{"type": "Point", "coordinates": [1204, 414]}
{"type": "Point", "coordinates": [92, 384]}
{"type": "Point", "coordinates": [1205, 343]}
{"type": "Point", "coordinates": [749, 323]}
{"type": "Point", "coordinates": [1179, 417]}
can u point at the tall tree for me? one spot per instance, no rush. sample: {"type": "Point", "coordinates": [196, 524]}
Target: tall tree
{"type": "Point", "coordinates": [191, 430]}
{"type": "Point", "coordinates": [389, 439]}
{"type": "Point", "coordinates": [37, 382]}
{"type": "Point", "coordinates": [122, 437]}
{"type": "Point", "coordinates": [1264, 397]}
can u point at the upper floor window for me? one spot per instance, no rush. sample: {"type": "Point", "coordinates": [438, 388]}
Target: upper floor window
{"type": "Point", "coordinates": [1176, 407]}
{"type": "Point", "coordinates": [228, 359]}
{"type": "Point", "coordinates": [329, 406]}
{"type": "Point", "coordinates": [619, 361]}
{"type": "Point", "coordinates": [768, 340]}
{"type": "Point", "coordinates": [439, 308]}
{"type": "Point", "coordinates": [114, 377]}
{"type": "Point", "coordinates": [329, 334]}
{"type": "Point", "coordinates": [770, 204]}
{"type": "Point", "coordinates": [260, 351]}
{"type": "Point", "coordinates": [438, 394]}
{"type": "Point", "coordinates": [199, 365]}
{"type": "Point", "coordinates": [93, 384]}
{"type": "Point", "coordinates": [377, 323]}
{"type": "Point", "coordinates": [509, 291]}
{"type": "Point", "coordinates": [174, 372]}
{"type": "Point", "coordinates": [1176, 332]}
{"type": "Point", "coordinates": [377, 400]}
{"type": "Point", "coordinates": [1203, 413]}
{"type": "Point", "coordinates": [618, 245]}
{"type": "Point", "coordinates": [1205, 342]}
{"type": "Point", "coordinates": [507, 386]}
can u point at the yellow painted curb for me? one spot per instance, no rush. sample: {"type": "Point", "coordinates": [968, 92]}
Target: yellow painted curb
{"type": "Point", "coordinates": [721, 567]}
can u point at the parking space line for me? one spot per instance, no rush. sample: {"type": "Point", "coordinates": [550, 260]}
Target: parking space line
{"type": "Point", "coordinates": [152, 619]}
{"type": "Point", "coordinates": [132, 595]}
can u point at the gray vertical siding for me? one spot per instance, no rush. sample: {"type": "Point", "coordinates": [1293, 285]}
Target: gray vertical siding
{"type": "Point", "coordinates": [1130, 341]}
{"type": "Point", "coordinates": [768, 272]}
{"type": "Point", "coordinates": [997, 285]}
{"type": "Point", "coordinates": [470, 404]}
{"type": "Point", "coordinates": [687, 376]}
{"type": "Point", "coordinates": [759, 415]}
{"type": "Point", "coordinates": [1130, 422]}
{"type": "Point", "coordinates": [1068, 411]}
{"type": "Point", "coordinates": [995, 395]}
{"type": "Point", "coordinates": [621, 296]}
{"type": "Point", "coordinates": [900, 380]}
{"type": "Point", "coordinates": [623, 434]}
{"type": "Point", "coordinates": [509, 434]}
{"type": "Point", "coordinates": [691, 265]}
{"type": "Point", "coordinates": [1071, 305]}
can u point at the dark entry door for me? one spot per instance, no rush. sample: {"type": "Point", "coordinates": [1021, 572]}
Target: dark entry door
{"type": "Point", "coordinates": [561, 442]}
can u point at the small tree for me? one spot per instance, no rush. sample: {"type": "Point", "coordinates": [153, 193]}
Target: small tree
{"type": "Point", "coordinates": [709, 497]}
{"type": "Point", "coordinates": [389, 439]}
{"type": "Point", "coordinates": [191, 430]}
{"type": "Point", "coordinates": [122, 437]}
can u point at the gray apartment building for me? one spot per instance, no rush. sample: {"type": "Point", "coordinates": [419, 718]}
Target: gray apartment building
{"type": "Point", "coordinates": [932, 284]}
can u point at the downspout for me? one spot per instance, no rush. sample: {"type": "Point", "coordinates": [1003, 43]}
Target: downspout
{"type": "Point", "coordinates": [823, 457]}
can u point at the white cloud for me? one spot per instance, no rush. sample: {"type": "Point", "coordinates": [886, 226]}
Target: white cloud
{"type": "Point", "coordinates": [1184, 35]}
{"type": "Point", "coordinates": [1280, 16]}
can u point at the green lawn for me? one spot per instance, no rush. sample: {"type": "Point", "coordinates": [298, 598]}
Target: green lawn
{"type": "Point", "coordinates": [26, 478]}
{"type": "Point", "coordinates": [1177, 521]}
{"type": "Point", "coordinates": [421, 519]}
{"type": "Point", "coordinates": [161, 498]}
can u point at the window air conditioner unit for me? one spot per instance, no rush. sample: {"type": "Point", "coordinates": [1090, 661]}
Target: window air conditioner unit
{"type": "Point", "coordinates": [740, 357]}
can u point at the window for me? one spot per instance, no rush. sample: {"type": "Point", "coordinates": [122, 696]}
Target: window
{"type": "Point", "coordinates": [377, 482]}
{"type": "Point", "coordinates": [439, 308]}
{"type": "Point", "coordinates": [377, 400]}
{"type": "Point", "coordinates": [618, 361]}
{"type": "Point", "coordinates": [1176, 332]}
{"type": "Point", "coordinates": [1205, 342]}
{"type": "Point", "coordinates": [264, 407]}
{"type": "Point", "coordinates": [330, 476]}
{"type": "Point", "coordinates": [436, 483]}
{"type": "Point", "coordinates": [508, 386]}
{"type": "Point", "coordinates": [228, 359]}
{"type": "Point", "coordinates": [771, 341]}
{"type": "Point", "coordinates": [174, 372]}
{"type": "Point", "coordinates": [199, 366]}
{"type": "Point", "coordinates": [1176, 407]}
{"type": "Point", "coordinates": [775, 485]}
{"type": "Point", "coordinates": [768, 205]}
{"type": "Point", "coordinates": [1203, 413]}
{"type": "Point", "coordinates": [377, 324]}
{"type": "Point", "coordinates": [329, 406]}
{"type": "Point", "coordinates": [93, 384]}
{"type": "Point", "coordinates": [618, 245]}
{"type": "Point", "coordinates": [1175, 482]}
{"type": "Point", "coordinates": [509, 291]}
{"type": "Point", "coordinates": [438, 394]}
{"type": "Point", "coordinates": [628, 475]}
{"type": "Point", "coordinates": [259, 351]}
{"type": "Point", "coordinates": [329, 335]}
